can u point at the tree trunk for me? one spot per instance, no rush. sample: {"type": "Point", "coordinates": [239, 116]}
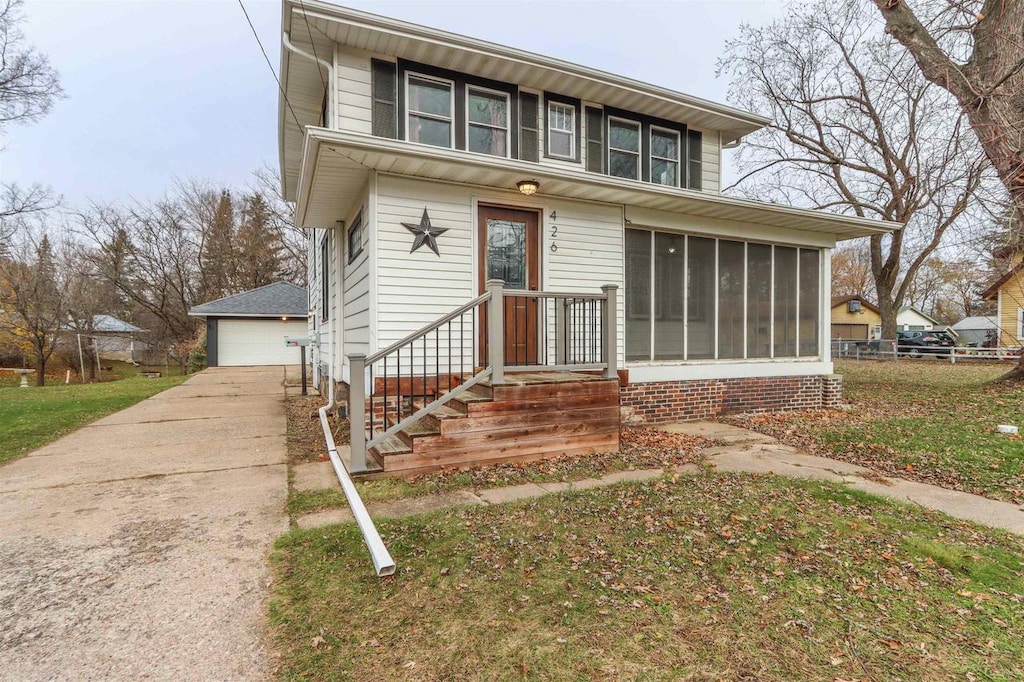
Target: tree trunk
{"type": "Point", "coordinates": [40, 370]}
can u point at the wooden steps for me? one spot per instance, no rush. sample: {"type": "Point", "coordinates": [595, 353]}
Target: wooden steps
{"type": "Point", "coordinates": [532, 416]}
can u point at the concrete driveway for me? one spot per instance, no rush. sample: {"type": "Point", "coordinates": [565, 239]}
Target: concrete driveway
{"type": "Point", "coordinates": [136, 546]}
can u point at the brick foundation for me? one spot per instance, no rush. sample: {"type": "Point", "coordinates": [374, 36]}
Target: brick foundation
{"type": "Point", "coordinates": [691, 400]}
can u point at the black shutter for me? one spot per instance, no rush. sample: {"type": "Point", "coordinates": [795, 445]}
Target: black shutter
{"type": "Point", "coordinates": [694, 150]}
{"type": "Point", "coordinates": [385, 98]}
{"type": "Point", "coordinates": [529, 127]}
{"type": "Point", "coordinates": [595, 140]}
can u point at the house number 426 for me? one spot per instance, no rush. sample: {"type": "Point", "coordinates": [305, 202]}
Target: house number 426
{"type": "Point", "coordinates": [554, 232]}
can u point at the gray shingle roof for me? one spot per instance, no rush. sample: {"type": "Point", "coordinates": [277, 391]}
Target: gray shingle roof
{"type": "Point", "coordinates": [111, 324]}
{"type": "Point", "coordinates": [272, 300]}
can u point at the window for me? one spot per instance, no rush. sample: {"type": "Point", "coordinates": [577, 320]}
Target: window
{"type": "Point", "coordinates": [664, 157]}
{"type": "Point", "coordinates": [785, 301]}
{"type": "Point", "coordinates": [355, 238]}
{"type": "Point", "coordinates": [562, 130]}
{"type": "Point", "coordinates": [700, 298]}
{"type": "Point", "coordinates": [430, 108]}
{"type": "Point", "coordinates": [810, 303]}
{"type": "Point", "coordinates": [325, 278]}
{"type": "Point", "coordinates": [624, 149]}
{"type": "Point", "coordinates": [638, 295]}
{"type": "Point", "coordinates": [1020, 324]}
{"type": "Point", "coordinates": [731, 266]}
{"type": "Point", "coordinates": [487, 121]}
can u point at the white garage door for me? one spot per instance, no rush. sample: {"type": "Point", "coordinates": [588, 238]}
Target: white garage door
{"type": "Point", "coordinates": [257, 342]}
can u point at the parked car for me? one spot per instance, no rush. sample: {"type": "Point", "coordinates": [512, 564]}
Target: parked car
{"type": "Point", "coordinates": [917, 343]}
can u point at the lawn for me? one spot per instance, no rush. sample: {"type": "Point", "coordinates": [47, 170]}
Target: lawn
{"type": "Point", "coordinates": [701, 577]}
{"type": "Point", "coordinates": [921, 419]}
{"type": "Point", "coordinates": [31, 417]}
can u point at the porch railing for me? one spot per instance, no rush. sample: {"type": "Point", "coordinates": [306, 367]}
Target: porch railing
{"type": "Point", "coordinates": [528, 331]}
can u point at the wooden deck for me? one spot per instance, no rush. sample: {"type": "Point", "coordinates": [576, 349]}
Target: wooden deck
{"type": "Point", "coordinates": [533, 415]}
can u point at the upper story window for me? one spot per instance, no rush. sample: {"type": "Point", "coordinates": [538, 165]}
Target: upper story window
{"type": "Point", "coordinates": [431, 104]}
{"type": "Point", "coordinates": [664, 156]}
{"type": "Point", "coordinates": [624, 148]}
{"type": "Point", "coordinates": [487, 119]}
{"type": "Point", "coordinates": [562, 130]}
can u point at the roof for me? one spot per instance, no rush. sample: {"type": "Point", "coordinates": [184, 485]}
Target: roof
{"type": "Point", "coordinates": [302, 88]}
{"type": "Point", "coordinates": [338, 165]}
{"type": "Point", "coordinates": [840, 300]}
{"type": "Point", "coordinates": [977, 322]}
{"type": "Point", "coordinates": [920, 312]}
{"type": "Point", "coordinates": [112, 325]}
{"type": "Point", "coordinates": [992, 289]}
{"type": "Point", "coordinates": [280, 299]}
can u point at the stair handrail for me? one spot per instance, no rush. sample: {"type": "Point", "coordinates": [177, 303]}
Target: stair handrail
{"type": "Point", "coordinates": [436, 324]}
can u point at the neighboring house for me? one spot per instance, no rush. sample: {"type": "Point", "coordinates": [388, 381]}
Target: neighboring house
{"type": "Point", "coordinates": [854, 317]}
{"type": "Point", "coordinates": [117, 339]}
{"type": "Point", "coordinates": [250, 328]}
{"type": "Point", "coordinates": [909, 318]}
{"type": "Point", "coordinates": [1008, 293]}
{"type": "Point", "coordinates": [435, 162]}
{"type": "Point", "coordinates": [977, 331]}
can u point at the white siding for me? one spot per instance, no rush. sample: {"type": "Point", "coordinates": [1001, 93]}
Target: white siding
{"type": "Point", "coordinates": [356, 313]}
{"type": "Point", "coordinates": [415, 289]}
{"type": "Point", "coordinates": [711, 161]}
{"type": "Point", "coordinates": [352, 73]}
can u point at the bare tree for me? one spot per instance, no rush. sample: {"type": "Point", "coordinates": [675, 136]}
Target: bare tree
{"type": "Point", "coordinates": [851, 271]}
{"type": "Point", "coordinates": [857, 131]}
{"type": "Point", "coordinates": [974, 49]}
{"type": "Point", "coordinates": [28, 88]}
{"type": "Point", "coordinates": [35, 297]}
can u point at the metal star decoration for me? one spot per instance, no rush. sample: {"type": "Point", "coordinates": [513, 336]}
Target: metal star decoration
{"type": "Point", "coordinates": [425, 233]}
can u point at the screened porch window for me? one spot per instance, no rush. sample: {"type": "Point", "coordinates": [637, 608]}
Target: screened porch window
{"type": "Point", "coordinates": [700, 298]}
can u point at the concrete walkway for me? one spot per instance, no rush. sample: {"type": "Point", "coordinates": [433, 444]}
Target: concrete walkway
{"type": "Point", "coordinates": [135, 548]}
{"type": "Point", "coordinates": [748, 451]}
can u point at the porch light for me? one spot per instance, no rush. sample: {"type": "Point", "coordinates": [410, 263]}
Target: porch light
{"type": "Point", "coordinates": [284, 318]}
{"type": "Point", "coordinates": [528, 187]}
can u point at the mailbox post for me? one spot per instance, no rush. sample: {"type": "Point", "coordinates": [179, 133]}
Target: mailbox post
{"type": "Point", "coordinates": [301, 342]}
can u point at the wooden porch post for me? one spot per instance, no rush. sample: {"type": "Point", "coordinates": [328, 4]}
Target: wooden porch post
{"type": "Point", "coordinates": [610, 331]}
{"type": "Point", "coordinates": [357, 411]}
{"type": "Point", "coordinates": [496, 330]}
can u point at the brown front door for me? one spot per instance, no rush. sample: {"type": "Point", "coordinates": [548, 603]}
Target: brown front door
{"type": "Point", "coordinates": [509, 252]}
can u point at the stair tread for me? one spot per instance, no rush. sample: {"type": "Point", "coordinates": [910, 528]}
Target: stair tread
{"type": "Point", "coordinates": [443, 411]}
{"type": "Point", "coordinates": [471, 395]}
{"type": "Point", "coordinates": [392, 445]}
{"type": "Point", "coordinates": [420, 428]}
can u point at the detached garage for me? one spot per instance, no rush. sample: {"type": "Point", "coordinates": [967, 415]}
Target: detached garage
{"type": "Point", "coordinates": [250, 328]}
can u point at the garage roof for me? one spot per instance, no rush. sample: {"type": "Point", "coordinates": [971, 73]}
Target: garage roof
{"type": "Point", "coordinates": [280, 299]}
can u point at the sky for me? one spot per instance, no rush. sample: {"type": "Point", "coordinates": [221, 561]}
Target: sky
{"type": "Point", "coordinates": [164, 90]}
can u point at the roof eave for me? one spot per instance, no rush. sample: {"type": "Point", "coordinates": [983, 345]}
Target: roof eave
{"type": "Point", "coordinates": [360, 144]}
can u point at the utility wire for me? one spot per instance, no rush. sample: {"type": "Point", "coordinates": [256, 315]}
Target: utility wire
{"type": "Point", "coordinates": [305, 17]}
{"type": "Point", "coordinates": [271, 67]}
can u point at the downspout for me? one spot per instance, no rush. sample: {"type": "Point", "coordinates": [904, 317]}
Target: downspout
{"type": "Point", "coordinates": [383, 564]}
{"type": "Point", "coordinates": [331, 91]}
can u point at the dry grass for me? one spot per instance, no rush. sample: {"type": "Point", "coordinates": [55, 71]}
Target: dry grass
{"type": "Point", "coordinates": [923, 419]}
{"type": "Point", "coordinates": [706, 577]}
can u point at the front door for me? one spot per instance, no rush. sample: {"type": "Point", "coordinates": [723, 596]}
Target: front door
{"type": "Point", "coordinates": [510, 252]}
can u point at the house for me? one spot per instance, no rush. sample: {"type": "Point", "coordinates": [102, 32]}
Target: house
{"type": "Point", "coordinates": [249, 328]}
{"type": "Point", "coordinates": [509, 253]}
{"type": "Point", "coordinates": [117, 339]}
{"type": "Point", "coordinates": [909, 318]}
{"type": "Point", "coordinates": [981, 331]}
{"type": "Point", "coordinates": [1008, 293]}
{"type": "Point", "coordinates": [855, 318]}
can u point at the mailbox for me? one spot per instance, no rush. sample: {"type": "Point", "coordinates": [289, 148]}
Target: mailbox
{"type": "Point", "coordinates": [296, 341]}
